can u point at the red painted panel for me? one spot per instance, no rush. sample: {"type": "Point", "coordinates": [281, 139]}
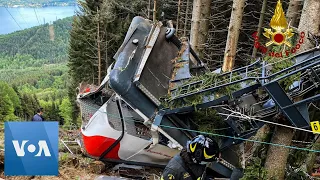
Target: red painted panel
{"type": "Point", "coordinates": [96, 145]}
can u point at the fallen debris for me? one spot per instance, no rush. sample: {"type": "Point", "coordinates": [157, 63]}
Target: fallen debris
{"type": "Point", "coordinates": [70, 147]}
{"type": "Point", "coordinates": [1, 162]}
{"type": "Point", "coordinates": [119, 166]}
{"type": "Point", "coordinates": [109, 178]}
{"type": "Point", "coordinates": [97, 167]}
{"type": "Point", "coordinates": [130, 171]}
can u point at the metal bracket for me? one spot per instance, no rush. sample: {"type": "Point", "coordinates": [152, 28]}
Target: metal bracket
{"type": "Point", "coordinates": [147, 52]}
{"type": "Point", "coordinates": [155, 129]}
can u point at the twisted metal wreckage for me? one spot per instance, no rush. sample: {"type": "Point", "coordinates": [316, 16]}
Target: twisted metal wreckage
{"type": "Point", "coordinates": [124, 121]}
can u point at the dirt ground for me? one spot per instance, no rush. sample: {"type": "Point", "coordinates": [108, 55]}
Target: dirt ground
{"type": "Point", "coordinates": [76, 166]}
{"type": "Point", "coordinates": [81, 168]}
{"type": "Point", "coordinates": [70, 168]}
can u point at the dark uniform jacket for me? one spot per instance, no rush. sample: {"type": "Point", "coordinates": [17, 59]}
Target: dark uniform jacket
{"type": "Point", "coordinates": [182, 168]}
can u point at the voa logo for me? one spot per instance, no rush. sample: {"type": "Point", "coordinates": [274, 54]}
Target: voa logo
{"type": "Point", "coordinates": [31, 148]}
{"type": "Point", "coordinates": [20, 148]}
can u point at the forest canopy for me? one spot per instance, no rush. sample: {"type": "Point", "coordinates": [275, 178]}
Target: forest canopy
{"type": "Point", "coordinates": [33, 62]}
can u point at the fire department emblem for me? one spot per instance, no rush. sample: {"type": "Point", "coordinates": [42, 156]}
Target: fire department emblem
{"type": "Point", "coordinates": [280, 33]}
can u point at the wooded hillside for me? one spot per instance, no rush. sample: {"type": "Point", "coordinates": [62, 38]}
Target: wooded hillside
{"type": "Point", "coordinates": [33, 62]}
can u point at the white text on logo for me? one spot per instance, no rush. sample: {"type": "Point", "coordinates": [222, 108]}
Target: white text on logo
{"type": "Point", "coordinates": [31, 148]}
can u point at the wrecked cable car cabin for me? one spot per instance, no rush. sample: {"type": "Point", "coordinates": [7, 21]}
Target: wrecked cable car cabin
{"type": "Point", "coordinates": [125, 120]}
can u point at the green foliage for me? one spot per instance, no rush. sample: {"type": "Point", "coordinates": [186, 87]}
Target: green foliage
{"type": "Point", "coordinates": [33, 78]}
{"type": "Point", "coordinates": [255, 171]}
{"type": "Point", "coordinates": [64, 157]}
{"type": "Point", "coordinates": [52, 109]}
{"type": "Point", "coordinates": [9, 91]}
{"type": "Point", "coordinates": [204, 81]}
{"type": "Point", "coordinates": [208, 79]}
{"type": "Point", "coordinates": [11, 117]}
{"type": "Point", "coordinates": [29, 106]}
{"type": "Point", "coordinates": [35, 66]}
{"type": "Point", "coordinates": [297, 158]}
{"type": "Point", "coordinates": [280, 64]}
{"type": "Point", "coordinates": [208, 120]}
{"type": "Point", "coordinates": [34, 83]}
{"type": "Point", "coordinates": [255, 165]}
{"type": "Point", "coordinates": [9, 101]}
{"type": "Point", "coordinates": [66, 111]}
{"type": "Point", "coordinates": [5, 106]}
{"type": "Point", "coordinates": [33, 62]}
{"type": "Point", "coordinates": [33, 46]}
{"type": "Point", "coordinates": [15, 106]}
{"type": "Point", "coordinates": [83, 50]}
{"type": "Point", "coordinates": [295, 173]}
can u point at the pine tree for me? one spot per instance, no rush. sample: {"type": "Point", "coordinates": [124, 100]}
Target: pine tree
{"type": "Point", "coordinates": [65, 111]}
{"type": "Point", "coordinates": [81, 49]}
{"type": "Point", "coordinates": [5, 106]}
{"type": "Point", "coordinates": [113, 19]}
{"type": "Point", "coordinates": [18, 110]}
{"type": "Point", "coordinates": [200, 25]}
{"type": "Point", "coordinates": [10, 102]}
{"type": "Point", "coordinates": [109, 19]}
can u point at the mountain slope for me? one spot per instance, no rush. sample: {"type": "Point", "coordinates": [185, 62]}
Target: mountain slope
{"type": "Point", "coordinates": [41, 42]}
{"type": "Point", "coordinates": [35, 59]}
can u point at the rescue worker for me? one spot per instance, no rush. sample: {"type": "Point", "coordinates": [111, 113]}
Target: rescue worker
{"type": "Point", "coordinates": [191, 162]}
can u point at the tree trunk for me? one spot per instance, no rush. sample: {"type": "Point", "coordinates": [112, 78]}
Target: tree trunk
{"type": "Point", "coordinates": [233, 34]}
{"type": "Point", "coordinates": [99, 54]}
{"type": "Point", "coordinates": [200, 25]}
{"type": "Point", "coordinates": [149, 9]}
{"type": "Point", "coordinates": [263, 10]}
{"type": "Point", "coordinates": [243, 155]}
{"type": "Point", "coordinates": [154, 10]}
{"type": "Point", "coordinates": [261, 135]}
{"type": "Point", "coordinates": [309, 21]}
{"type": "Point", "coordinates": [293, 12]}
{"type": "Point", "coordinates": [178, 15]}
{"type": "Point", "coordinates": [277, 156]}
{"type": "Point", "coordinates": [186, 19]}
{"type": "Point", "coordinates": [106, 49]}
